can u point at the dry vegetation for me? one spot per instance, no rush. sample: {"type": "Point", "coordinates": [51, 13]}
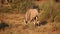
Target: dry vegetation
{"type": "Point", "coordinates": [14, 16]}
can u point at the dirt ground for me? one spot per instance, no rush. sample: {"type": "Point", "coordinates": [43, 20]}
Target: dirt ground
{"type": "Point", "coordinates": [17, 26]}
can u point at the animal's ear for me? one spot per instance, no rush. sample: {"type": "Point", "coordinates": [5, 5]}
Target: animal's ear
{"type": "Point", "coordinates": [35, 6]}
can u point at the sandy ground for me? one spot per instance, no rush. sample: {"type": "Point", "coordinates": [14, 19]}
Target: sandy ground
{"type": "Point", "coordinates": [17, 26]}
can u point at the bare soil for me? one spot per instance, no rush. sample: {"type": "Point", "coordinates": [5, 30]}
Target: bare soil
{"type": "Point", "coordinates": [17, 26]}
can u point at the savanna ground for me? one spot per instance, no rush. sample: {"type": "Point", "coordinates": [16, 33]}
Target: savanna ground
{"type": "Point", "coordinates": [17, 25]}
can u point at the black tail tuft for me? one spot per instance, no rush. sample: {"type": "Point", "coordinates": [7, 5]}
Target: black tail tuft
{"type": "Point", "coordinates": [43, 23]}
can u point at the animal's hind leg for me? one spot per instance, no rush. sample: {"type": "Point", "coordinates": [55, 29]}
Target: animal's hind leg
{"type": "Point", "coordinates": [35, 18]}
{"type": "Point", "coordinates": [26, 22]}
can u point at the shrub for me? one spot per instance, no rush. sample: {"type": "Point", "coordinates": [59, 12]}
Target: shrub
{"type": "Point", "coordinates": [22, 6]}
{"type": "Point", "coordinates": [51, 10]}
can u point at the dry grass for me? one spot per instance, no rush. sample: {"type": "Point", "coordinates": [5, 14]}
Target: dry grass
{"type": "Point", "coordinates": [17, 26]}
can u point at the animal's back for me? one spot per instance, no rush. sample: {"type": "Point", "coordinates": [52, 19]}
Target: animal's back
{"type": "Point", "coordinates": [33, 13]}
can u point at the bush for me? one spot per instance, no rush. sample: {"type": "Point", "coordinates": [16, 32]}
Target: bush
{"type": "Point", "coordinates": [22, 6]}
{"type": "Point", "coordinates": [51, 10]}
